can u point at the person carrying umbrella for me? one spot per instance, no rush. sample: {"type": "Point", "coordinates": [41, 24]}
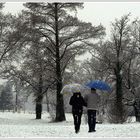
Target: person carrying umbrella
{"type": "Point", "coordinates": [92, 99]}
{"type": "Point", "coordinates": [77, 102]}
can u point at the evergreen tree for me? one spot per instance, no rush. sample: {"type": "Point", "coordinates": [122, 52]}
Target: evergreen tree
{"type": "Point", "coordinates": [6, 97]}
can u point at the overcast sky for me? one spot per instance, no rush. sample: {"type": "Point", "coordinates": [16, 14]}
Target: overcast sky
{"type": "Point", "coordinates": [95, 12]}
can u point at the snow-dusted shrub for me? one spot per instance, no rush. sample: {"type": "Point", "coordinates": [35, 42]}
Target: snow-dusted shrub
{"type": "Point", "coordinates": [51, 103]}
{"type": "Point", "coordinates": [52, 112]}
{"type": "Point", "coordinates": [113, 115]}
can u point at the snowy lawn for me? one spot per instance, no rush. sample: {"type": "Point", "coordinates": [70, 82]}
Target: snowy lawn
{"type": "Point", "coordinates": [25, 125]}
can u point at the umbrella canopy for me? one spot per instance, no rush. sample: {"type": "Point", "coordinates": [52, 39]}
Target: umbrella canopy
{"type": "Point", "coordinates": [72, 88]}
{"type": "Point", "coordinates": [98, 84]}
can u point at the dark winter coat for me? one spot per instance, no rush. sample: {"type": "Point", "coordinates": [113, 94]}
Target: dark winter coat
{"type": "Point", "coordinates": [77, 102]}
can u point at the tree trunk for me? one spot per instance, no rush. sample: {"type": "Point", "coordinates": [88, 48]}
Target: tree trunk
{"type": "Point", "coordinates": [47, 102]}
{"type": "Point", "coordinates": [119, 104]}
{"type": "Point", "coordinates": [39, 106]}
{"type": "Point", "coordinates": [24, 107]}
{"type": "Point", "coordinates": [60, 115]}
{"type": "Point", "coordinates": [38, 110]}
{"type": "Point", "coordinates": [137, 110]}
{"type": "Point", "coordinates": [16, 106]}
{"type": "Point", "coordinates": [119, 99]}
{"type": "Point", "coordinates": [39, 99]}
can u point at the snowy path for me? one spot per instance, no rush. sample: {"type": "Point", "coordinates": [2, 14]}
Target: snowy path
{"type": "Point", "coordinates": [24, 125]}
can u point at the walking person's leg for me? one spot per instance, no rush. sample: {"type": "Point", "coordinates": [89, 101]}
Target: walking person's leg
{"type": "Point", "coordinates": [75, 121]}
{"type": "Point", "coordinates": [94, 120]}
{"type": "Point", "coordinates": [79, 120]}
{"type": "Point", "coordinates": [76, 124]}
{"type": "Point", "coordinates": [89, 120]}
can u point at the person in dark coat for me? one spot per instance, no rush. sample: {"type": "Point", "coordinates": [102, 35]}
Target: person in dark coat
{"type": "Point", "coordinates": [77, 102]}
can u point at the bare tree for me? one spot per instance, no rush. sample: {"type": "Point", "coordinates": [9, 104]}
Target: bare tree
{"type": "Point", "coordinates": [35, 72]}
{"type": "Point", "coordinates": [66, 36]}
{"type": "Point", "coordinates": [11, 40]}
{"type": "Point", "coordinates": [132, 77]}
{"type": "Point", "coordinates": [112, 59]}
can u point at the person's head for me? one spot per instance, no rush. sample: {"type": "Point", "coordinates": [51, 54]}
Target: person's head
{"type": "Point", "coordinates": [93, 90]}
{"type": "Point", "coordinates": [77, 94]}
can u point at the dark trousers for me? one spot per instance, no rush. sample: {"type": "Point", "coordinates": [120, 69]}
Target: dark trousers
{"type": "Point", "coordinates": [77, 114]}
{"type": "Point", "coordinates": [91, 119]}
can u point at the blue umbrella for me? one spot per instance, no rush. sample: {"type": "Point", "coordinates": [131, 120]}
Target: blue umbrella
{"type": "Point", "coordinates": [98, 84]}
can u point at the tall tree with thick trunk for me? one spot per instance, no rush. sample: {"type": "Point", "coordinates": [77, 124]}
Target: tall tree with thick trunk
{"type": "Point", "coordinates": [113, 57]}
{"type": "Point", "coordinates": [132, 76]}
{"type": "Point", "coordinates": [60, 116]}
{"type": "Point", "coordinates": [117, 55]}
{"type": "Point", "coordinates": [65, 37]}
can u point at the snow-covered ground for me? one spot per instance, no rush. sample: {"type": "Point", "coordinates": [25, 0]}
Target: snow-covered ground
{"type": "Point", "coordinates": [25, 125]}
